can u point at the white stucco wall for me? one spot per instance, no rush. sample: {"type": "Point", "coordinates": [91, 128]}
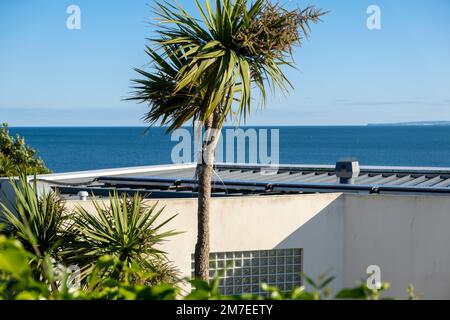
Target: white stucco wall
{"type": "Point", "coordinates": [311, 222]}
{"type": "Point", "coordinates": [407, 236]}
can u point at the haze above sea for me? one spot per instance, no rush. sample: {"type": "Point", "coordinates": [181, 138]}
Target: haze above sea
{"type": "Point", "coordinates": [68, 149]}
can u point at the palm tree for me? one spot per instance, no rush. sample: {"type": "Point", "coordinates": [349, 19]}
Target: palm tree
{"type": "Point", "coordinates": [204, 70]}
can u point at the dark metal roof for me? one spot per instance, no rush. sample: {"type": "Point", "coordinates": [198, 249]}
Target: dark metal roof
{"type": "Point", "coordinates": [377, 176]}
{"type": "Point", "coordinates": [244, 179]}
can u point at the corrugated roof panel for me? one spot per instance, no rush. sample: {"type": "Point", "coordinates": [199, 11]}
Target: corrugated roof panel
{"type": "Point", "coordinates": [430, 182]}
{"type": "Point", "coordinates": [361, 177]}
{"type": "Point", "coordinates": [307, 175]}
{"type": "Point", "coordinates": [400, 181]}
{"type": "Point", "coordinates": [385, 180]}
{"type": "Point", "coordinates": [242, 175]}
{"type": "Point", "coordinates": [280, 176]}
{"type": "Point", "coordinates": [324, 178]}
{"type": "Point", "coordinates": [228, 174]}
{"type": "Point", "coordinates": [414, 181]}
{"type": "Point", "coordinates": [180, 175]}
{"type": "Point", "coordinates": [249, 176]}
{"type": "Point", "coordinates": [311, 177]}
{"type": "Point", "coordinates": [443, 184]}
{"type": "Point", "coordinates": [370, 179]}
{"type": "Point", "coordinates": [330, 179]}
{"type": "Point", "coordinates": [297, 177]}
{"type": "Point", "coordinates": [162, 173]}
{"type": "Point", "coordinates": [289, 178]}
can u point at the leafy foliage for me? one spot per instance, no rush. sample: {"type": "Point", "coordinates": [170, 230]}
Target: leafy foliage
{"type": "Point", "coordinates": [16, 282]}
{"type": "Point", "coordinates": [201, 68]}
{"type": "Point", "coordinates": [15, 155]}
{"type": "Point", "coordinates": [320, 290]}
{"type": "Point", "coordinates": [126, 229]}
{"type": "Point", "coordinates": [100, 286]}
{"type": "Point", "coordinates": [362, 292]}
{"type": "Point", "coordinates": [274, 31]}
{"type": "Point", "coordinates": [16, 274]}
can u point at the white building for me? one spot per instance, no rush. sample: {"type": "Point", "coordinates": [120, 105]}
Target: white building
{"type": "Point", "coordinates": [299, 219]}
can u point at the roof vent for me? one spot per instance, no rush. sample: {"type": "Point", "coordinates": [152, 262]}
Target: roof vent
{"type": "Point", "coordinates": [347, 171]}
{"type": "Point", "coordinates": [82, 195]}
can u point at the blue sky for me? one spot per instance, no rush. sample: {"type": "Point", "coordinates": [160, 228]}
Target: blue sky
{"type": "Point", "coordinates": [348, 75]}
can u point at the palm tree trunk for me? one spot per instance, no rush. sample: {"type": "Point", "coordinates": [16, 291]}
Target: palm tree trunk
{"type": "Point", "coordinates": [204, 173]}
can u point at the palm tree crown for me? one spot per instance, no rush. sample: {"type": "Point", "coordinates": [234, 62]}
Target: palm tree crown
{"type": "Point", "coordinates": [209, 65]}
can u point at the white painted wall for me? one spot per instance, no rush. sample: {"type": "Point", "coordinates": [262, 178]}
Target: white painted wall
{"type": "Point", "coordinates": [311, 222]}
{"type": "Point", "coordinates": [407, 236]}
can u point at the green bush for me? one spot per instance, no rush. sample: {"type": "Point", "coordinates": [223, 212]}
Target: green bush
{"type": "Point", "coordinates": [16, 156]}
{"type": "Point", "coordinates": [16, 282]}
{"type": "Point", "coordinates": [17, 279]}
{"type": "Point", "coordinates": [38, 218]}
{"type": "Point", "coordinates": [126, 229]}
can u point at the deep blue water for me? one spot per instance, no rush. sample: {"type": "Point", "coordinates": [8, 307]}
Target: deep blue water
{"type": "Point", "coordinates": [72, 149]}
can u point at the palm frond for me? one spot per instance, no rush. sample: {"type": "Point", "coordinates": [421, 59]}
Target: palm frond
{"type": "Point", "coordinates": [125, 228]}
{"type": "Point", "coordinates": [37, 218]}
{"type": "Point", "coordinates": [211, 65]}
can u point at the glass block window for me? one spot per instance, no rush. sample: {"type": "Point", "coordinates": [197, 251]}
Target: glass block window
{"type": "Point", "coordinates": [243, 271]}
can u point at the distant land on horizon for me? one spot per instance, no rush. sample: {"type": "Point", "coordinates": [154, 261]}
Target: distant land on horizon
{"type": "Point", "coordinates": [381, 124]}
{"type": "Point", "coordinates": [414, 123]}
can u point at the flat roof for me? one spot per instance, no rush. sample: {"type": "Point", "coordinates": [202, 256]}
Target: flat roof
{"type": "Point", "coordinates": [179, 180]}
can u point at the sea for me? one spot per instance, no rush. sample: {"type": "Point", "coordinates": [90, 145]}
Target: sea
{"type": "Point", "coordinates": [67, 149]}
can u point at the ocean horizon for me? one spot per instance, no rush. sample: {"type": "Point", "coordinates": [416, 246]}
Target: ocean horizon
{"type": "Point", "coordinates": [66, 149]}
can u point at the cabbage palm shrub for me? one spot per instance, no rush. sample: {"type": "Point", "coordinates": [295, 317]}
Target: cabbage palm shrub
{"type": "Point", "coordinates": [126, 229]}
{"type": "Point", "coordinates": [207, 70]}
{"type": "Point", "coordinates": [38, 218]}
